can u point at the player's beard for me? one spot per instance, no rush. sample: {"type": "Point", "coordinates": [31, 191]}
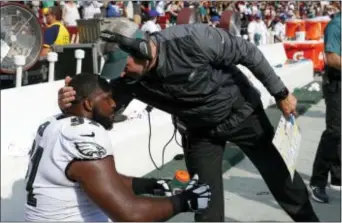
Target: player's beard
{"type": "Point", "coordinates": [106, 122]}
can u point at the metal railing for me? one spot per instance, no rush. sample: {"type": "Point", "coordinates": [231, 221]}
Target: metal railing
{"type": "Point", "coordinates": [52, 58]}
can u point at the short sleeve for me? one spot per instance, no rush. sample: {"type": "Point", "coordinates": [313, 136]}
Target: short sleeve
{"type": "Point", "coordinates": [86, 141]}
{"type": "Point", "coordinates": [50, 35]}
{"type": "Point", "coordinates": [332, 39]}
{"type": "Point", "coordinates": [203, 12]}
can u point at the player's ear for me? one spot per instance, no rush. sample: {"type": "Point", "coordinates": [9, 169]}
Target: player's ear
{"type": "Point", "coordinates": [88, 105]}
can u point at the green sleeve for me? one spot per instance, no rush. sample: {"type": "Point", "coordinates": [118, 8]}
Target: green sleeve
{"type": "Point", "coordinates": [332, 39]}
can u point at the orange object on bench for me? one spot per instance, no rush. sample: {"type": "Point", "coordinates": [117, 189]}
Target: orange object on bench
{"type": "Point", "coordinates": [313, 30]}
{"type": "Point", "coordinates": [293, 26]}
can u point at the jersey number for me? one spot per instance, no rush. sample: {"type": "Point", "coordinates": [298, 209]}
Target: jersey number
{"type": "Point", "coordinates": [35, 155]}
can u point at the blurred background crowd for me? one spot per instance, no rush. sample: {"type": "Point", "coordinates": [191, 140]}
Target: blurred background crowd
{"type": "Point", "coordinates": [268, 11]}
{"type": "Point", "coordinates": [260, 20]}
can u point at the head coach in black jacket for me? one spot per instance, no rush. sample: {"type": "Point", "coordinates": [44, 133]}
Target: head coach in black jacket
{"type": "Point", "coordinates": [190, 72]}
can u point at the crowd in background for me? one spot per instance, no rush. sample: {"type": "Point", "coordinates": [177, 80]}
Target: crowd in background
{"type": "Point", "coordinates": [259, 18]}
{"type": "Point", "coordinates": [209, 10]}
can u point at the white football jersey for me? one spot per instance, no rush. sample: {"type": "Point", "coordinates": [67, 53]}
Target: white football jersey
{"type": "Point", "coordinates": [51, 196]}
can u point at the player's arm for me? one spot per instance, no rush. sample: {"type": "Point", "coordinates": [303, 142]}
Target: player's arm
{"type": "Point", "coordinates": [152, 186]}
{"type": "Point", "coordinates": [93, 167]}
{"type": "Point", "coordinates": [104, 186]}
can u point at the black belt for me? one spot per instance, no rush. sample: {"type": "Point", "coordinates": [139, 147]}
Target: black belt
{"type": "Point", "coordinates": [333, 74]}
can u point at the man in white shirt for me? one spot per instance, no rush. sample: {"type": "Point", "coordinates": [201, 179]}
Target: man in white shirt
{"type": "Point", "coordinates": [72, 174]}
{"type": "Point", "coordinates": [280, 29]}
{"type": "Point", "coordinates": [257, 31]}
{"type": "Point", "coordinates": [160, 8]}
{"type": "Point", "coordinates": [151, 25]}
{"type": "Point", "coordinates": [91, 8]}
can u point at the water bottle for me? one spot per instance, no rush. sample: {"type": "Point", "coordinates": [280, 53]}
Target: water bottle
{"type": "Point", "coordinates": [180, 180]}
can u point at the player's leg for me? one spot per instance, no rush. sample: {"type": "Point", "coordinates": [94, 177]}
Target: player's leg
{"type": "Point", "coordinates": [204, 157]}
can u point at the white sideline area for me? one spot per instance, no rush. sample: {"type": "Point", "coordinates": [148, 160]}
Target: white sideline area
{"type": "Point", "coordinates": [24, 109]}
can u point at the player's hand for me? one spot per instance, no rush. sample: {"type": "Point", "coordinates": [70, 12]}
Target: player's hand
{"type": "Point", "coordinates": [66, 95]}
{"type": "Point", "coordinates": [197, 195]}
{"type": "Point", "coordinates": [163, 188]}
{"type": "Point", "coordinates": [288, 105]}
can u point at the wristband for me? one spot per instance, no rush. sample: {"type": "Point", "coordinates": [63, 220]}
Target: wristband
{"type": "Point", "coordinates": [282, 94]}
{"type": "Point", "coordinates": [143, 185]}
{"type": "Point", "coordinates": [179, 203]}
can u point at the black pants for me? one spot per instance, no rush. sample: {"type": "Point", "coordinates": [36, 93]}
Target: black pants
{"type": "Point", "coordinates": [328, 155]}
{"type": "Point", "coordinates": [254, 136]}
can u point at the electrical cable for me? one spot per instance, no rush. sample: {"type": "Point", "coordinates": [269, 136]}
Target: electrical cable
{"type": "Point", "coordinates": [148, 109]}
{"type": "Point", "coordinates": [177, 140]}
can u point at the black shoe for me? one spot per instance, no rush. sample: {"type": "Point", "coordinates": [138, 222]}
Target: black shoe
{"type": "Point", "coordinates": [319, 195]}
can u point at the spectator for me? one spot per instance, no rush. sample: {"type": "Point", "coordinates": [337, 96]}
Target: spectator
{"type": "Point", "coordinates": [70, 13]}
{"type": "Point", "coordinates": [35, 7]}
{"type": "Point", "coordinates": [257, 31]}
{"type": "Point", "coordinates": [113, 10]}
{"type": "Point", "coordinates": [136, 8]}
{"type": "Point", "coordinates": [46, 4]}
{"type": "Point", "coordinates": [128, 9]}
{"type": "Point", "coordinates": [279, 29]}
{"type": "Point", "coordinates": [213, 9]}
{"type": "Point", "coordinates": [55, 32]}
{"type": "Point", "coordinates": [90, 8]}
{"type": "Point", "coordinates": [151, 25]}
{"type": "Point", "coordinates": [203, 12]}
{"type": "Point", "coordinates": [215, 21]}
{"type": "Point", "coordinates": [160, 7]}
{"type": "Point", "coordinates": [174, 9]}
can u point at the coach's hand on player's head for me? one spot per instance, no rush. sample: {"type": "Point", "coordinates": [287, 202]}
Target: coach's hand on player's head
{"type": "Point", "coordinates": [66, 95]}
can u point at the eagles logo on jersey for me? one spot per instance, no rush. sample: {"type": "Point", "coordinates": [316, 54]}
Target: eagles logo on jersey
{"type": "Point", "coordinates": [91, 149]}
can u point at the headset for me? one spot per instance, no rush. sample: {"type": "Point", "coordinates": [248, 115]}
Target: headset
{"type": "Point", "coordinates": [138, 47]}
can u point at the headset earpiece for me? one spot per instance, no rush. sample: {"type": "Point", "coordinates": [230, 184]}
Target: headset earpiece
{"type": "Point", "coordinates": [139, 48]}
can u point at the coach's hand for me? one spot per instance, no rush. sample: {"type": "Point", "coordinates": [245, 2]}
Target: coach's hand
{"type": "Point", "coordinates": [288, 105]}
{"type": "Point", "coordinates": [66, 95]}
{"type": "Point", "coordinates": [197, 195]}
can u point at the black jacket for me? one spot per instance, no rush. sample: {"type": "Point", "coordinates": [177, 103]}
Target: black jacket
{"type": "Point", "coordinates": [197, 79]}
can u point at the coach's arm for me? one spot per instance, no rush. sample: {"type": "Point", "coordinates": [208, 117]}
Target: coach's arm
{"type": "Point", "coordinates": [222, 49]}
